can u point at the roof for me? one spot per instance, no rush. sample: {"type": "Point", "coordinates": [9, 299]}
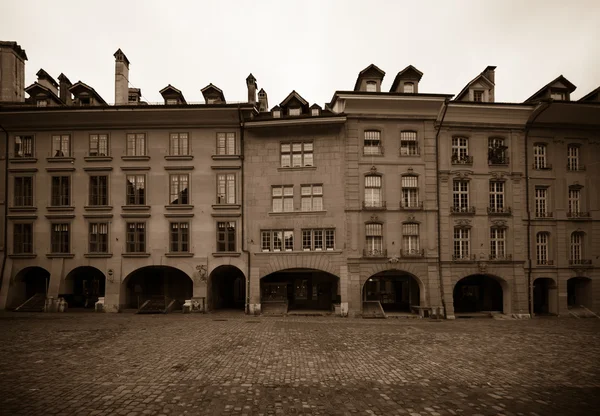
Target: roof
{"type": "Point", "coordinates": [560, 79]}
{"type": "Point", "coordinates": [120, 56]}
{"type": "Point", "coordinates": [276, 108]}
{"type": "Point", "coordinates": [385, 94]}
{"type": "Point", "coordinates": [591, 96]}
{"type": "Point", "coordinates": [211, 87]}
{"type": "Point", "coordinates": [62, 77]}
{"type": "Point", "coordinates": [292, 95]}
{"type": "Point", "coordinates": [170, 91]}
{"type": "Point", "coordinates": [251, 79]}
{"type": "Point", "coordinates": [465, 90]}
{"type": "Point", "coordinates": [262, 91]}
{"type": "Point", "coordinates": [37, 86]}
{"type": "Point", "coordinates": [371, 67]}
{"type": "Point", "coordinates": [315, 105]}
{"type": "Point", "coordinates": [79, 86]}
{"type": "Point", "coordinates": [15, 47]}
{"type": "Point", "coordinates": [44, 75]}
{"type": "Point", "coordinates": [406, 71]}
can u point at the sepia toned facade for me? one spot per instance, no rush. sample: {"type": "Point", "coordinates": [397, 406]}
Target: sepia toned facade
{"type": "Point", "coordinates": [380, 203]}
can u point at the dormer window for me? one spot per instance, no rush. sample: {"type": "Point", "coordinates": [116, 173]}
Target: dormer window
{"type": "Point", "coordinates": [42, 103]}
{"type": "Point", "coordinates": [478, 96]}
{"type": "Point", "coordinates": [556, 95]}
{"type": "Point", "coordinates": [211, 101]}
{"type": "Point", "coordinates": [409, 87]}
{"type": "Point", "coordinates": [276, 114]}
{"type": "Point", "coordinates": [314, 112]}
{"type": "Point", "coordinates": [371, 86]}
{"type": "Point", "coordinates": [294, 111]}
{"type": "Point", "coordinates": [172, 101]}
{"type": "Point", "coordinates": [85, 100]}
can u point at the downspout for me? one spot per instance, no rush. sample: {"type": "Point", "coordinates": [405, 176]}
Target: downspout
{"type": "Point", "coordinates": [5, 237]}
{"type": "Point", "coordinates": [536, 113]}
{"type": "Point", "coordinates": [437, 197]}
{"type": "Point", "coordinates": [243, 205]}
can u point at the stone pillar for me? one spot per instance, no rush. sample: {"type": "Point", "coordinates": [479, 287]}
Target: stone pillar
{"type": "Point", "coordinates": [6, 285]}
{"type": "Point", "coordinates": [563, 302]}
{"type": "Point", "coordinates": [344, 276]}
{"type": "Point", "coordinates": [114, 292]}
{"type": "Point", "coordinates": [254, 306]}
{"type": "Point", "coordinates": [56, 275]}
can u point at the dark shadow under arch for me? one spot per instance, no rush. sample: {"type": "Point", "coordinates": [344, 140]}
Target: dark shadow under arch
{"type": "Point", "coordinates": [479, 293]}
{"type": "Point", "coordinates": [83, 286]}
{"type": "Point", "coordinates": [396, 290]}
{"type": "Point", "coordinates": [226, 288]}
{"type": "Point", "coordinates": [156, 282]}
{"type": "Point", "coordinates": [27, 283]}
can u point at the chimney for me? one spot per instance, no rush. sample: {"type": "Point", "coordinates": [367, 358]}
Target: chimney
{"type": "Point", "coordinates": [12, 82]}
{"type": "Point", "coordinates": [47, 81]}
{"type": "Point", "coordinates": [121, 78]}
{"type": "Point", "coordinates": [251, 84]}
{"type": "Point", "coordinates": [263, 102]}
{"type": "Point", "coordinates": [64, 85]}
{"type": "Point", "coordinates": [489, 73]}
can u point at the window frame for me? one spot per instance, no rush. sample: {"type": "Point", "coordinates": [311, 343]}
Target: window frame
{"type": "Point", "coordinates": [374, 197]}
{"type": "Point", "coordinates": [135, 237]}
{"type": "Point", "coordinates": [98, 188]}
{"type": "Point", "coordinates": [64, 146]}
{"type": "Point", "coordinates": [460, 149]}
{"type": "Point", "coordinates": [177, 182]}
{"type": "Point", "coordinates": [460, 197]}
{"type": "Point", "coordinates": [180, 244]}
{"type": "Point", "coordinates": [574, 200]}
{"type": "Point", "coordinates": [542, 248]}
{"type": "Point", "coordinates": [573, 160]}
{"type": "Point", "coordinates": [225, 195]}
{"type": "Point", "coordinates": [60, 243]}
{"type": "Point", "coordinates": [540, 156]}
{"type": "Point", "coordinates": [409, 146]}
{"type": "Point", "coordinates": [411, 240]}
{"type": "Point", "coordinates": [374, 239]}
{"type": "Point", "coordinates": [577, 247]}
{"type": "Point", "coordinates": [229, 144]}
{"type": "Point", "coordinates": [312, 197]}
{"type": "Point", "coordinates": [58, 200]}
{"type": "Point", "coordinates": [136, 194]}
{"type": "Point", "coordinates": [21, 199]}
{"type": "Point", "coordinates": [411, 86]}
{"type": "Point", "coordinates": [229, 236]}
{"type": "Point", "coordinates": [305, 154]}
{"type": "Point", "coordinates": [97, 244]}
{"type": "Point", "coordinates": [497, 242]}
{"type": "Point", "coordinates": [283, 197]}
{"type": "Point", "coordinates": [136, 145]}
{"type": "Point", "coordinates": [461, 243]}
{"type": "Point", "coordinates": [325, 237]}
{"type": "Point", "coordinates": [21, 147]}
{"type": "Point", "coordinates": [20, 245]}
{"type": "Point", "coordinates": [176, 144]}
{"type": "Point", "coordinates": [371, 86]}
{"type": "Point", "coordinates": [372, 136]}
{"type": "Point", "coordinates": [408, 199]}
{"type": "Point", "coordinates": [98, 137]}
{"type": "Point", "coordinates": [541, 201]}
{"type": "Point", "coordinates": [496, 196]}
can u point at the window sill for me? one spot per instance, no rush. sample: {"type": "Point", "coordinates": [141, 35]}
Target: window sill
{"type": "Point", "coordinates": [134, 255]}
{"type": "Point", "coordinates": [227, 254]}
{"type": "Point", "coordinates": [60, 159]}
{"type": "Point", "coordinates": [23, 160]}
{"type": "Point", "coordinates": [296, 168]}
{"type": "Point", "coordinates": [98, 158]}
{"type": "Point", "coordinates": [22, 209]}
{"type": "Point", "coordinates": [299, 252]}
{"type": "Point", "coordinates": [179, 254]}
{"type": "Point", "coordinates": [135, 207]}
{"type": "Point", "coordinates": [226, 206]}
{"type": "Point", "coordinates": [179, 157]}
{"type": "Point", "coordinates": [97, 255]}
{"type": "Point", "coordinates": [98, 207]}
{"type": "Point", "coordinates": [57, 209]}
{"type": "Point", "coordinates": [226, 157]}
{"type": "Point", "coordinates": [182, 207]}
{"type": "Point", "coordinates": [60, 255]}
{"type": "Point", "coordinates": [22, 256]}
{"type": "Point", "coordinates": [134, 158]}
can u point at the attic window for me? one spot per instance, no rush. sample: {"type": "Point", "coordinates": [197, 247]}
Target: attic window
{"type": "Point", "coordinates": [85, 100]}
{"type": "Point", "coordinates": [556, 95]}
{"type": "Point", "coordinates": [478, 96]}
{"type": "Point", "coordinates": [371, 86]}
{"type": "Point", "coordinates": [409, 87]}
{"type": "Point", "coordinates": [294, 111]}
{"type": "Point", "coordinates": [42, 103]}
{"type": "Point", "coordinates": [276, 114]}
{"type": "Point", "coordinates": [172, 101]}
{"type": "Point", "coordinates": [314, 112]}
{"type": "Point", "coordinates": [133, 98]}
{"type": "Point", "coordinates": [211, 101]}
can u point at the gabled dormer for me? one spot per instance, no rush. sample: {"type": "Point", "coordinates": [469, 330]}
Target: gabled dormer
{"type": "Point", "coordinates": [369, 79]}
{"type": "Point", "coordinates": [276, 111]}
{"type": "Point", "coordinates": [42, 96]}
{"type": "Point", "coordinates": [559, 89]}
{"type": "Point", "coordinates": [407, 80]}
{"type": "Point", "coordinates": [47, 81]}
{"type": "Point", "coordinates": [294, 105]}
{"type": "Point", "coordinates": [315, 110]}
{"type": "Point", "coordinates": [213, 95]}
{"type": "Point", "coordinates": [481, 88]}
{"type": "Point", "coordinates": [85, 96]}
{"type": "Point", "coordinates": [172, 95]}
{"type": "Point", "coordinates": [592, 96]}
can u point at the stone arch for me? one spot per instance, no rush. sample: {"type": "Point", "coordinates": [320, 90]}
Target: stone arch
{"type": "Point", "coordinates": [312, 261]}
{"type": "Point", "coordinates": [83, 286]}
{"type": "Point", "coordinates": [545, 296]}
{"type": "Point", "coordinates": [26, 283]}
{"type": "Point", "coordinates": [481, 292]}
{"type": "Point", "coordinates": [579, 292]}
{"type": "Point", "coordinates": [397, 289]}
{"type": "Point", "coordinates": [226, 288]}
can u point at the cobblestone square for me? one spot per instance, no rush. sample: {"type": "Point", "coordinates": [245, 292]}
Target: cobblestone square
{"type": "Point", "coordinates": [232, 364]}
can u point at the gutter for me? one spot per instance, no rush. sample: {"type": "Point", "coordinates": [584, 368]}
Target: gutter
{"type": "Point", "coordinates": [437, 199]}
{"type": "Point", "coordinates": [5, 237]}
{"type": "Point", "coordinates": [244, 243]}
{"type": "Point", "coordinates": [543, 106]}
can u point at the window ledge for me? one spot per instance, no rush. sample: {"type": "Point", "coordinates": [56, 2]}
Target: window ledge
{"type": "Point", "coordinates": [296, 168]}
{"type": "Point", "coordinates": [60, 255]}
{"type": "Point", "coordinates": [179, 254]}
{"type": "Point", "coordinates": [22, 256]}
{"type": "Point", "coordinates": [135, 255]}
{"type": "Point", "coordinates": [226, 157]}
{"type": "Point", "coordinates": [22, 209]}
{"type": "Point", "coordinates": [227, 254]}
{"type": "Point", "coordinates": [60, 159]}
{"type": "Point", "coordinates": [135, 207]}
{"type": "Point", "coordinates": [98, 158]}
{"type": "Point", "coordinates": [97, 255]}
{"type": "Point", "coordinates": [226, 206]}
{"type": "Point", "coordinates": [179, 157]}
{"type": "Point", "coordinates": [56, 209]}
{"type": "Point", "coordinates": [182, 207]}
{"type": "Point", "coordinates": [98, 207]}
{"type": "Point", "coordinates": [300, 252]}
{"type": "Point", "coordinates": [133, 158]}
{"type": "Point", "coordinates": [23, 160]}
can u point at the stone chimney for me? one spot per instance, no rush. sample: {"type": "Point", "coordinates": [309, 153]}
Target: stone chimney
{"type": "Point", "coordinates": [251, 84]}
{"type": "Point", "coordinates": [121, 78]}
{"type": "Point", "coordinates": [12, 67]}
{"type": "Point", "coordinates": [64, 85]}
{"type": "Point", "coordinates": [47, 81]}
{"type": "Point", "coordinates": [263, 102]}
{"type": "Point", "coordinates": [489, 73]}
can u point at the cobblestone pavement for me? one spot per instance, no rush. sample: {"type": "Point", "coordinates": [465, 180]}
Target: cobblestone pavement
{"type": "Point", "coordinates": [232, 364]}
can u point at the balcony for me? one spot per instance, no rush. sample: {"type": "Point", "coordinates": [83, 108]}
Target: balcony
{"type": "Point", "coordinates": [98, 156]}
{"type": "Point", "coordinates": [544, 214]}
{"type": "Point", "coordinates": [414, 253]}
{"type": "Point", "coordinates": [578, 215]}
{"type": "Point", "coordinates": [497, 257]}
{"type": "Point", "coordinates": [411, 206]}
{"type": "Point", "coordinates": [464, 257]}
{"type": "Point", "coordinates": [375, 253]}
{"type": "Point", "coordinates": [462, 160]}
{"type": "Point", "coordinates": [499, 211]}
{"type": "Point", "coordinates": [545, 262]}
{"type": "Point", "coordinates": [374, 205]}
{"type": "Point", "coordinates": [580, 262]}
{"type": "Point", "coordinates": [373, 151]}
{"type": "Point", "coordinates": [574, 167]}
{"type": "Point", "coordinates": [462, 210]}
{"type": "Point", "coordinates": [499, 160]}
{"type": "Point", "coordinates": [542, 166]}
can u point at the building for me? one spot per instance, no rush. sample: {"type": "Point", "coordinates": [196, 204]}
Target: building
{"type": "Point", "coordinates": [378, 203]}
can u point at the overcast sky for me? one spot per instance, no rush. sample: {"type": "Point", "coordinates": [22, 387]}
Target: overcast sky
{"type": "Point", "coordinates": [313, 47]}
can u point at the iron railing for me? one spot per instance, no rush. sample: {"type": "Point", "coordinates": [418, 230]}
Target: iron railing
{"type": "Point", "coordinates": [411, 205]}
{"type": "Point", "coordinates": [499, 210]}
{"type": "Point", "coordinates": [375, 253]}
{"type": "Point", "coordinates": [374, 205]}
{"type": "Point", "coordinates": [578, 214]}
{"type": "Point", "coordinates": [412, 253]}
{"type": "Point", "coordinates": [462, 210]}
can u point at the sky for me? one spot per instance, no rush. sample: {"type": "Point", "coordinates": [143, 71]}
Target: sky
{"type": "Point", "coordinates": [313, 47]}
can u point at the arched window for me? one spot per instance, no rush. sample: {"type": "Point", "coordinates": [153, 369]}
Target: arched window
{"type": "Point", "coordinates": [542, 240]}
{"type": "Point", "coordinates": [373, 197]}
{"type": "Point", "coordinates": [576, 247]}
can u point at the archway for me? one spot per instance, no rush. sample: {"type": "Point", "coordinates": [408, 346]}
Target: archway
{"type": "Point", "coordinates": [27, 283]}
{"type": "Point", "coordinates": [395, 290]}
{"type": "Point", "coordinates": [227, 288]}
{"type": "Point", "coordinates": [300, 289]}
{"type": "Point", "coordinates": [156, 288]}
{"type": "Point", "coordinates": [83, 286]}
{"type": "Point", "coordinates": [544, 296]}
{"type": "Point", "coordinates": [579, 292]}
{"type": "Point", "coordinates": [480, 293]}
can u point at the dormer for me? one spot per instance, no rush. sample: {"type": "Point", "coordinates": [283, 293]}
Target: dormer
{"type": "Point", "coordinates": [213, 95]}
{"type": "Point", "coordinates": [85, 96]}
{"type": "Point", "coordinates": [172, 95]}
{"type": "Point", "coordinates": [134, 96]}
{"type": "Point", "coordinates": [47, 81]}
{"type": "Point", "coordinates": [481, 88]}
{"type": "Point", "coordinates": [559, 89]}
{"type": "Point", "coordinates": [407, 81]}
{"type": "Point", "coordinates": [294, 105]}
{"type": "Point", "coordinates": [369, 79]}
{"type": "Point", "coordinates": [315, 110]}
{"type": "Point", "coordinates": [263, 101]}
{"type": "Point", "coordinates": [592, 96]}
{"type": "Point", "coordinates": [42, 96]}
{"type": "Point", "coordinates": [276, 111]}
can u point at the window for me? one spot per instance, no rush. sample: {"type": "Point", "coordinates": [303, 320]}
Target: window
{"type": "Point", "coordinates": [98, 145]}
{"type": "Point", "coordinates": [226, 188]}
{"type": "Point", "coordinates": [409, 87]}
{"type": "Point", "coordinates": [539, 156]}
{"type": "Point", "coordinates": [541, 195]}
{"type": "Point", "coordinates": [314, 112]}
{"type": "Point", "coordinates": [226, 236]}
{"type": "Point", "coordinates": [296, 154]}
{"type": "Point", "coordinates": [410, 191]}
{"type": "Point", "coordinates": [372, 143]}
{"type": "Point", "coordinates": [60, 238]}
{"type": "Point", "coordinates": [23, 238]}
{"type": "Point", "coordinates": [283, 198]}
{"type": "Point", "coordinates": [374, 237]}
{"type": "Point", "coordinates": [557, 95]}
{"type": "Point", "coordinates": [23, 191]}
{"type": "Point", "coordinates": [277, 240]}
{"type": "Point", "coordinates": [371, 86]}
{"type": "Point", "coordinates": [497, 151]}
{"type": "Point", "coordinates": [318, 240]}
{"type": "Point", "coordinates": [99, 190]}
{"type": "Point", "coordinates": [373, 191]}
{"type": "Point", "coordinates": [576, 247]}
{"type": "Point", "coordinates": [574, 201]}
{"type": "Point", "coordinates": [172, 101]}
{"type": "Point", "coordinates": [410, 239]}
{"type": "Point", "coordinates": [276, 114]}
{"type": "Point", "coordinates": [136, 144]}
{"type": "Point", "coordinates": [136, 237]}
{"type": "Point", "coordinates": [180, 237]}
{"type": "Point", "coordinates": [178, 191]}
{"type": "Point", "coordinates": [462, 238]}
{"type": "Point", "coordinates": [312, 197]}
{"type": "Point", "coordinates": [179, 144]}
{"type": "Point", "coordinates": [61, 146]}
{"type": "Point", "coordinates": [226, 144]}
{"type": "Point", "coordinates": [42, 103]}
{"type": "Point", "coordinates": [541, 248]}
{"type": "Point", "coordinates": [61, 191]}
{"type": "Point", "coordinates": [460, 196]}
{"type": "Point", "coordinates": [136, 190]}
{"type": "Point", "coordinates": [460, 150]}
{"type": "Point", "coordinates": [294, 111]}
{"type": "Point", "coordinates": [478, 95]}
{"type": "Point", "coordinates": [408, 143]}
{"type": "Point", "coordinates": [497, 243]}
{"type": "Point", "coordinates": [98, 237]}
{"type": "Point", "coordinates": [23, 146]}
{"type": "Point", "coordinates": [496, 196]}
{"type": "Point", "coordinates": [573, 158]}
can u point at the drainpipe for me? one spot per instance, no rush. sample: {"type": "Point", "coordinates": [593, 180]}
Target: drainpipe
{"type": "Point", "coordinates": [5, 239]}
{"type": "Point", "coordinates": [437, 198]}
{"type": "Point", "coordinates": [543, 106]}
{"type": "Point", "coordinates": [243, 205]}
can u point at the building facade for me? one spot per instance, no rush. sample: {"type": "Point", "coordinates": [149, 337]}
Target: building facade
{"type": "Point", "coordinates": [380, 203]}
